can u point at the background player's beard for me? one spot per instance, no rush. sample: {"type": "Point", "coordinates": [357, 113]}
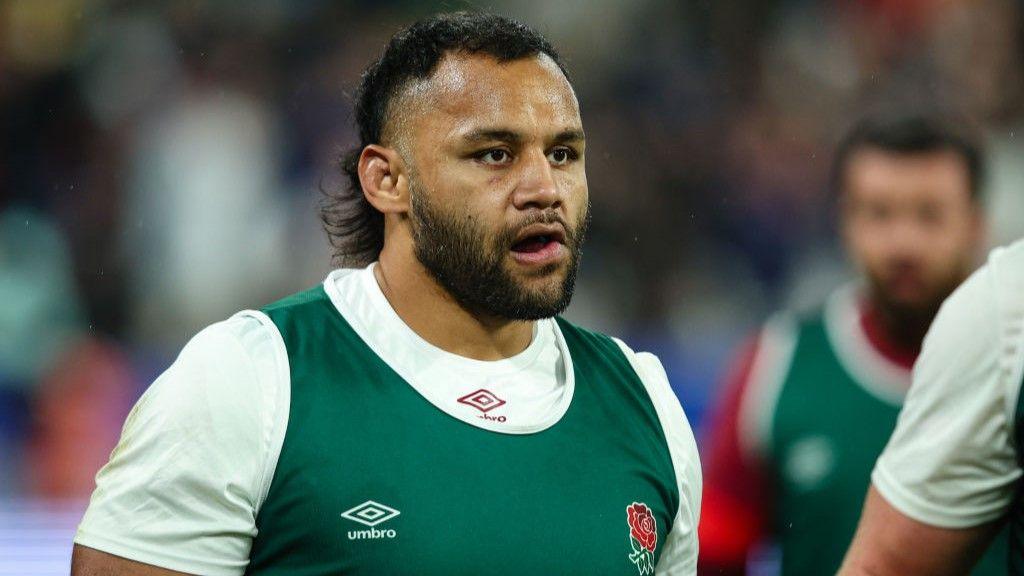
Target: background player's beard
{"type": "Point", "coordinates": [908, 323]}
{"type": "Point", "coordinates": [470, 263]}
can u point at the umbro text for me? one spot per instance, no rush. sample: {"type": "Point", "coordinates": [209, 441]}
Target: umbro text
{"type": "Point", "coordinates": [371, 534]}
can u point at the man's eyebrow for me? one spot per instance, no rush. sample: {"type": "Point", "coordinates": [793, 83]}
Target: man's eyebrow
{"type": "Point", "coordinates": [513, 137]}
{"type": "Point", "coordinates": [570, 135]}
{"type": "Point", "coordinates": [490, 135]}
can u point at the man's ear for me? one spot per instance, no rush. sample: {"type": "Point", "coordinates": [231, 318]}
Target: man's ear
{"type": "Point", "coordinates": [382, 176]}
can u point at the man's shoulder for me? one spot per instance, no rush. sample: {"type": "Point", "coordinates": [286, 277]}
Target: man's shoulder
{"type": "Point", "coordinates": [815, 314]}
{"type": "Point", "coordinates": [1005, 269]}
{"type": "Point", "coordinates": [991, 300]}
{"type": "Point", "coordinates": [647, 365]}
{"type": "Point", "coordinates": [1010, 253]}
{"type": "Point", "coordinates": [787, 324]}
{"type": "Point", "coordinates": [819, 324]}
{"type": "Point", "coordinates": [578, 337]}
{"type": "Point", "coordinates": [297, 300]}
{"type": "Point", "coordinates": [301, 312]}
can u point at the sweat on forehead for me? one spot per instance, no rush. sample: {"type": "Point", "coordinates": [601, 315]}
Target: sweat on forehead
{"type": "Point", "coordinates": [472, 84]}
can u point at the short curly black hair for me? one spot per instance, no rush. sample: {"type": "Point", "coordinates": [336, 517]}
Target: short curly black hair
{"type": "Point", "coordinates": [354, 228]}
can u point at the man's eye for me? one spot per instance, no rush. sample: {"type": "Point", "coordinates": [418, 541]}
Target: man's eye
{"type": "Point", "coordinates": [561, 156]}
{"type": "Point", "coordinates": [495, 157]}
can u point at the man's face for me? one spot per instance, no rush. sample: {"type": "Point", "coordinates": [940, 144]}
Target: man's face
{"type": "Point", "coordinates": [499, 203]}
{"type": "Point", "coordinates": [910, 225]}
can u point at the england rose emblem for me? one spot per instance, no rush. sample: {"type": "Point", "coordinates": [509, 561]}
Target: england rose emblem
{"type": "Point", "coordinates": [643, 536]}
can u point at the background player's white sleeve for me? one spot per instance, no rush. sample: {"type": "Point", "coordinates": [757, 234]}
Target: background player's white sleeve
{"type": "Point", "coordinates": [197, 453]}
{"type": "Point", "coordinates": [951, 463]}
{"type": "Point", "coordinates": [679, 556]}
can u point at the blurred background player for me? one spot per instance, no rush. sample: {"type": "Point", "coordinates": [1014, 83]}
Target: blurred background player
{"type": "Point", "coordinates": [813, 399]}
{"type": "Point", "coordinates": [950, 475]}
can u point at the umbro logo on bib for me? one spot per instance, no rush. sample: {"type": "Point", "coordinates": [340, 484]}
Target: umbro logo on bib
{"type": "Point", "coordinates": [370, 514]}
{"type": "Point", "coordinates": [484, 401]}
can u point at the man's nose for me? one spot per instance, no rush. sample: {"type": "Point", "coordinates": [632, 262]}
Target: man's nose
{"type": "Point", "coordinates": [908, 233]}
{"type": "Point", "coordinates": [537, 187]}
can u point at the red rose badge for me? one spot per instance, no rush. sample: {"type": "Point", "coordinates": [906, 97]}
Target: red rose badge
{"type": "Point", "coordinates": [643, 536]}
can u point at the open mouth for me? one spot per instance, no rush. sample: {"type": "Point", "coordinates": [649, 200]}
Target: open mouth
{"type": "Point", "coordinates": [533, 244]}
{"type": "Point", "coordinates": [539, 244]}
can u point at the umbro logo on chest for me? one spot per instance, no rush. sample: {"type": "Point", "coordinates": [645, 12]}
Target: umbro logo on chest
{"type": "Point", "coordinates": [484, 400]}
{"type": "Point", "coordinates": [371, 514]}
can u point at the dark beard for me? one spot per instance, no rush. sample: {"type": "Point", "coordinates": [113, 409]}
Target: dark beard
{"type": "Point", "coordinates": [470, 265]}
{"type": "Point", "coordinates": [907, 324]}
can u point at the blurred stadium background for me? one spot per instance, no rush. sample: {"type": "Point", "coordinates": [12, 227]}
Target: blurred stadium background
{"type": "Point", "coordinates": [160, 167]}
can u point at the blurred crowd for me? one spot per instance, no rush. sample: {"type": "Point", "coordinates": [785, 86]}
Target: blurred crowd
{"type": "Point", "coordinates": [161, 166]}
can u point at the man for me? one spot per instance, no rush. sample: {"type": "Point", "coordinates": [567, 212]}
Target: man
{"type": "Point", "coordinates": [424, 414]}
{"type": "Point", "coordinates": [950, 475]}
{"type": "Point", "coordinates": [813, 400]}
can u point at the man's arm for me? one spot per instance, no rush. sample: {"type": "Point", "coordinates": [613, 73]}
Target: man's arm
{"type": "Point", "coordinates": [885, 535]}
{"type": "Point", "coordinates": [185, 482]}
{"type": "Point", "coordinates": [87, 561]}
{"type": "Point", "coordinates": [679, 550]}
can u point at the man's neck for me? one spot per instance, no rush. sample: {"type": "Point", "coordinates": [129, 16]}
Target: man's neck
{"type": "Point", "coordinates": [432, 313]}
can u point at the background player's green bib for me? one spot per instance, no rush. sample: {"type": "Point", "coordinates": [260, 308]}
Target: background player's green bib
{"type": "Point", "coordinates": [373, 479]}
{"type": "Point", "coordinates": [826, 434]}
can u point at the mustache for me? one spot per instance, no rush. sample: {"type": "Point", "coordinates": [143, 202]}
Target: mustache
{"type": "Point", "coordinates": [546, 216]}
